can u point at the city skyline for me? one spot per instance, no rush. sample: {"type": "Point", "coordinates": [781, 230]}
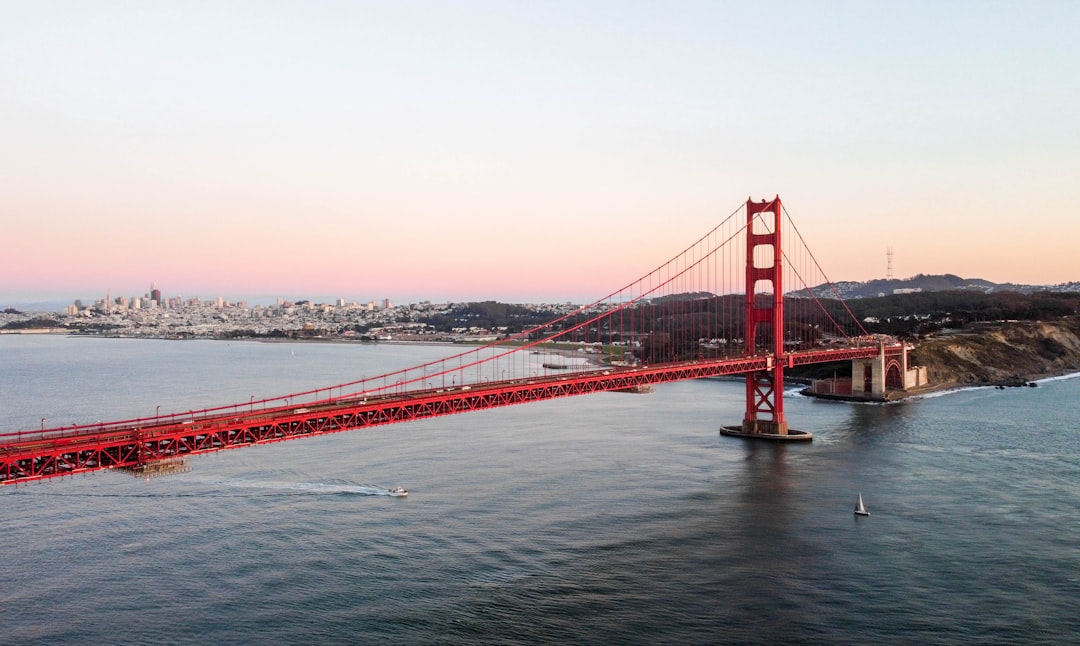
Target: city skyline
{"type": "Point", "coordinates": [136, 299]}
{"type": "Point", "coordinates": [525, 153]}
{"type": "Point", "coordinates": [141, 299]}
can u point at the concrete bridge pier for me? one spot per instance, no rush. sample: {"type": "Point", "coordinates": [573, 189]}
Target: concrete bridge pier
{"type": "Point", "coordinates": [764, 417]}
{"type": "Point", "coordinates": [872, 378]}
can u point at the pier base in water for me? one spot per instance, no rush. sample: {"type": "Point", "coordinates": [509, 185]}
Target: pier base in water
{"type": "Point", "coordinates": [160, 468]}
{"type": "Point", "coordinates": [763, 434]}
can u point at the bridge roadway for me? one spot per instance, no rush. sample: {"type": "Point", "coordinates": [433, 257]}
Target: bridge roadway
{"type": "Point", "coordinates": [34, 455]}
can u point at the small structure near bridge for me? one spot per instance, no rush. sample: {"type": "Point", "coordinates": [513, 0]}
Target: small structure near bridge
{"type": "Point", "coordinates": [873, 378]}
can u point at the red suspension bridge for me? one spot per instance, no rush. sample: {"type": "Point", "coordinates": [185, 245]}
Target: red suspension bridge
{"type": "Point", "coordinates": [717, 308]}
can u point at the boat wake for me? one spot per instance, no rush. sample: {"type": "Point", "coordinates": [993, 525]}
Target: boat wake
{"type": "Point", "coordinates": [237, 487]}
{"type": "Point", "coordinates": [325, 488]}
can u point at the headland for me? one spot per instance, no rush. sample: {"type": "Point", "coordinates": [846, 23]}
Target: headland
{"type": "Point", "coordinates": [1001, 354]}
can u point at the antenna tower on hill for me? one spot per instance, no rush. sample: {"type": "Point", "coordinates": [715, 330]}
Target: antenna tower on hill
{"type": "Point", "coordinates": [888, 270]}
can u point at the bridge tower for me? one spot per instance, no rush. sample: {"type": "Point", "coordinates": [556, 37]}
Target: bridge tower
{"type": "Point", "coordinates": [764, 264]}
{"type": "Point", "coordinates": [764, 305]}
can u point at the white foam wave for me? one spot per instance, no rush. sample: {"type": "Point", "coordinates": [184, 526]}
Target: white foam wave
{"type": "Point", "coordinates": [950, 391]}
{"type": "Point", "coordinates": [1071, 375]}
{"type": "Point", "coordinates": [310, 487]}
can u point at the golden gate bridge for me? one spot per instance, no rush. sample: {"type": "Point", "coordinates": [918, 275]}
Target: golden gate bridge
{"type": "Point", "coordinates": [718, 308]}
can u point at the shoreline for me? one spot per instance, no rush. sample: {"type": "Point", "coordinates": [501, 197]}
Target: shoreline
{"type": "Point", "coordinates": [253, 339]}
{"type": "Point", "coordinates": [937, 390]}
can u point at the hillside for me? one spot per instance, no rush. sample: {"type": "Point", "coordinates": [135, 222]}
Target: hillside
{"type": "Point", "coordinates": [928, 283]}
{"type": "Point", "coordinates": [1001, 353]}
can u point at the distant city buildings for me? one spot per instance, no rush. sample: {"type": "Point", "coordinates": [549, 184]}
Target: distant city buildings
{"type": "Point", "coordinates": [154, 316]}
{"type": "Point", "coordinates": [154, 299]}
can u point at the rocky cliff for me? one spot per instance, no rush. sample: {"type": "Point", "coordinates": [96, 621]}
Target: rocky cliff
{"type": "Point", "coordinates": [1001, 353]}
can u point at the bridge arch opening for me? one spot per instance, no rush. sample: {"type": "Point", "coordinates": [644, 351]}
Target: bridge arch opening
{"type": "Point", "coordinates": [761, 225]}
{"type": "Point", "coordinates": [764, 287]}
{"type": "Point", "coordinates": [894, 379]}
{"type": "Point", "coordinates": [761, 337]}
{"type": "Point", "coordinates": [764, 256]}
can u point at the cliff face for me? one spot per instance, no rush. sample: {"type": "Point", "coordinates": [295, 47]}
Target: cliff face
{"type": "Point", "coordinates": [1001, 353]}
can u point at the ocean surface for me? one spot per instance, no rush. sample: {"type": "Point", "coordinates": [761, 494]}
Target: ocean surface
{"type": "Point", "coordinates": [604, 519]}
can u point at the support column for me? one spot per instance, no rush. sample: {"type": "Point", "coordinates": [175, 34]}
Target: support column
{"type": "Point", "coordinates": [868, 376]}
{"type": "Point", "coordinates": [764, 264]}
{"type": "Point", "coordinates": [765, 389]}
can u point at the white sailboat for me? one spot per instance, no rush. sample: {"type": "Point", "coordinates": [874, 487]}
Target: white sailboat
{"type": "Point", "coordinates": [860, 508]}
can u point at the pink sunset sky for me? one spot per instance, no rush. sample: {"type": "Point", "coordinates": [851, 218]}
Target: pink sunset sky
{"type": "Point", "coordinates": [549, 151]}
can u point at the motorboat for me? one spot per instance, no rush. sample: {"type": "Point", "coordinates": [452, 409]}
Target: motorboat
{"type": "Point", "coordinates": [397, 492]}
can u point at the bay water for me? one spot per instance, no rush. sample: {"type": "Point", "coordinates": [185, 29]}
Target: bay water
{"type": "Point", "coordinates": [603, 519]}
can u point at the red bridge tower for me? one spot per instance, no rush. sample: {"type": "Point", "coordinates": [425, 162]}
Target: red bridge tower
{"type": "Point", "coordinates": [765, 304]}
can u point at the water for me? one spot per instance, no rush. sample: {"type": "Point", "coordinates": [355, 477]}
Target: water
{"type": "Point", "coordinates": [610, 518]}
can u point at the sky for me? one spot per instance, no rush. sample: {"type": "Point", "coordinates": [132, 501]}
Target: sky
{"type": "Point", "coordinates": [524, 151]}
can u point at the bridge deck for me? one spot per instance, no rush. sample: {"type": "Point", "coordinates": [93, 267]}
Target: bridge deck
{"type": "Point", "coordinates": [34, 455]}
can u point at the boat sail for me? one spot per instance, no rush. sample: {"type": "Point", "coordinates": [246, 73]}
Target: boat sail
{"type": "Point", "coordinates": [860, 508]}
